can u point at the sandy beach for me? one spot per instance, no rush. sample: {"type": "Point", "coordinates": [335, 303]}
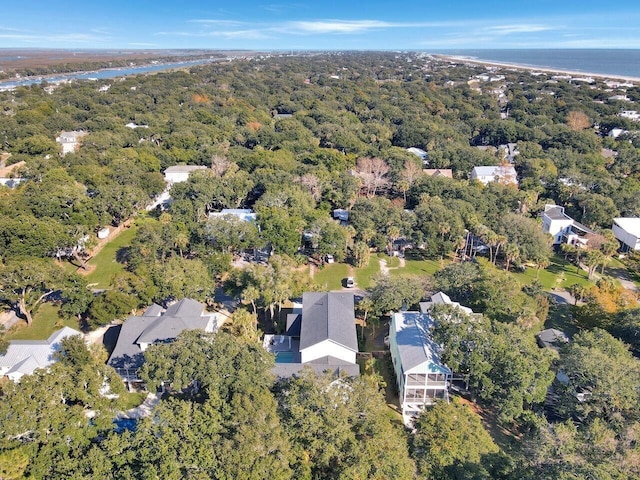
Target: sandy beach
{"type": "Point", "coordinates": [554, 71]}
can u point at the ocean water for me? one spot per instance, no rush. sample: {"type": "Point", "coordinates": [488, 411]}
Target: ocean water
{"type": "Point", "coordinates": [621, 62]}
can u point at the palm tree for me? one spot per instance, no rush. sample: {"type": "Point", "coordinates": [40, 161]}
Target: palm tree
{"type": "Point", "coordinates": [500, 240]}
{"type": "Point", "coordinates": [511, 253]}
{"type": "Point", "coordinates": [578, 292]}
{"type": "Point", "coordinates": [180, 241]}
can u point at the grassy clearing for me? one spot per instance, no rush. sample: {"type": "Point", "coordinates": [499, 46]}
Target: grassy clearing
{"type": "Point", "coordinates": [420, 267]}
{"type": "Point", "coordinates": [330, 277]}
{"type": "Point", "coordinates": [364, 275]}
{"type": "Point", "coordinates": [105, 265]}
{"type": "Point", "coordinates": [559, 274]}
{"type": "Point", "coordinates": [45, 322]}
{"type": "Point", "coordinates": [392, 262]}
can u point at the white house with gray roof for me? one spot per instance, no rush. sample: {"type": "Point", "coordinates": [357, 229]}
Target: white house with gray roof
{"type": "Point", "coordinates": [562, 227]}
{"type": "Point", "coordinates": [180, 173]}
{"type": "Point", "coordinates": [23, 357]}
{"type": "Point", "coordinates": [495, 173]}
{"type": "Point", "coordinates": [70, 141]}
{"type": "Point", "coordinates": [627, 231]}
{"type": "Point", "coordinates": [421, 376]}
{"type": "Point", "coordinates": [156, 325]}
{"type": "Point", "coordinates": [321, 335]}
{"type": "Point", "coordinates": [442, 298]}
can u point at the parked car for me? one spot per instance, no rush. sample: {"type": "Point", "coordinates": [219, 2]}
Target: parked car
{"type": "Point", "coordinates": [350, 283]}
{"type": "Point", "coordinates": [330, 259]}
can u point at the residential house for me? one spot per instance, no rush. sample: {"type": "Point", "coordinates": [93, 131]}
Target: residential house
{"type": "Point", "coordinates": [552, 338]}
{"type": "Point", "coordinates": [23, 357]}
{"type": "Point", "coordinates": [495, 173]}
{"type": "Point", "coordinates": [321, 335]}
{"type": "Point", "coordinates": [631, 114]}
{"type": "Point", "coordinates": [244, 214]}
{"type": "Point", "coordinates": [419, 152]}
{"type": "Point", "coordinates": [438, 172]}
{"type": "Point", "coordinates": [11, 182]}
{"type": "Point", "coordinates": [509, 151]}
{"type": "Point", "coordinates": [421, 376]}
{"type": "Point", "coordinates": [156, 325]}
{"type": "Point", "coordinates": [619, 98]}
{"type": "Point", "coordinates": [341, 214]}
{"type": "Point", "coordinates": [616, 132]}
{"type": "Point", "coordinates": [562, 227]}
{"type": "Point", "coordinates": [180, 173]}
{"type": "Point", "coordinates": [70, 141]}
{"type": "Point", "coordinates": [442, 298]}
{"type": "Point", "coordinates": [627, 230]}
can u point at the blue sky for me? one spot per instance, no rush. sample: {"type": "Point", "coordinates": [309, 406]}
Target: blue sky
{"type": "Point", "coordinates": [320, 25]}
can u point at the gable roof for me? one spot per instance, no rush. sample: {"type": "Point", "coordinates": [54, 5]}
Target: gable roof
{"type": "Point", "coordinates": [24, 356]}
{"type": "Point", "coordinates": [328, 316]}
{"type": "Point", "coordinates": [551, 337]}
{"type": "Point", "coordinates": [630, 225]}
{"type": "Point", "coordinates": [152, 327]}
{"type": "Point", "coordinates": [438, 172]}
{"type": "Point", "coordinates": [415, 345]}
{"type": "Point", "coordinates": [494, 170]}
{"type": "Point", "coordinates": [184, 168]}
{"type": "Point", "coordinates": [442, 298]}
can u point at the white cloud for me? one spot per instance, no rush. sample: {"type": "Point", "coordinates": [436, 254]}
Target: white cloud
{"type": "Point", "coordinates": [217, 22]}
{"type": "Point", "coordinates": [247, 34]}
{"type": "Point", "coordinates": [516, 28]}
{"type": "Point", "coordinates": [336, 26]}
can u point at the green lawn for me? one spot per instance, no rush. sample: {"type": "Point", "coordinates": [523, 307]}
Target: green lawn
{"type": "Point", "coordinates": [419, 267]}
{"type": "Point", "coordinates": [559, 274]}
{"type": "Point", "coordinates": [105, 263]}
{"type": "Point", "coordinates": [364, 275]}
{"type": "Point", "coordinates": [330, 277]}
{"type": "Point", "coordinates": [131, 400]}
{"type": "Point", "coordinates": [45, 322]}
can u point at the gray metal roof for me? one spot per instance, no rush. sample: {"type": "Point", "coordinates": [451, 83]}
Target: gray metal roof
{"type": "Point", "coordinates": [551, 337]}
{"type": "Point", "coordinates": [415, 345]}
{"type": "Point", "coordinates": [187, 314]}
{"type": "Point", "coordinates": [24, 356]}
{"type": "Point", "coordinates": [127, 353]}
{"type": "Point", "coordinates": [328, 316]}
{"type": "Point", "coordinates": [154, 310]}
{"type": "Point", "coordinates": [556, 213]}
{"type": "Point", "coordinates": [186, 307]}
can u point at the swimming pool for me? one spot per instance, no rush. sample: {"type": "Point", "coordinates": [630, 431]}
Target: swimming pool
{"type": "Point", "coordinates": [284, 357]}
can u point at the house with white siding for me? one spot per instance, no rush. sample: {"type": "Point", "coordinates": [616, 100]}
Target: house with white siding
{"type": "Point", "coordinates": [495, 173]}
{"type": "Point", "coordinates": [421, 376]}
{"type": "Point", "coordinates": [70, 141]}
{"type": "Point", "coordinates": [320, 335]}
{"type": "Point", "coordinates": [627, 231]}
{"type": "Point", "coordinates": [180, 173]}
{"type": "Point", "coordinates": [562, 227]}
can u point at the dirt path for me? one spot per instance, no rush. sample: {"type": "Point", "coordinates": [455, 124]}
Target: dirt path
{"type": "Point", "coordinates": [384, 269]}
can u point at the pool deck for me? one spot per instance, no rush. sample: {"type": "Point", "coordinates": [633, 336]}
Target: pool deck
{"type": "Point", "coordinates": [283, 344]}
